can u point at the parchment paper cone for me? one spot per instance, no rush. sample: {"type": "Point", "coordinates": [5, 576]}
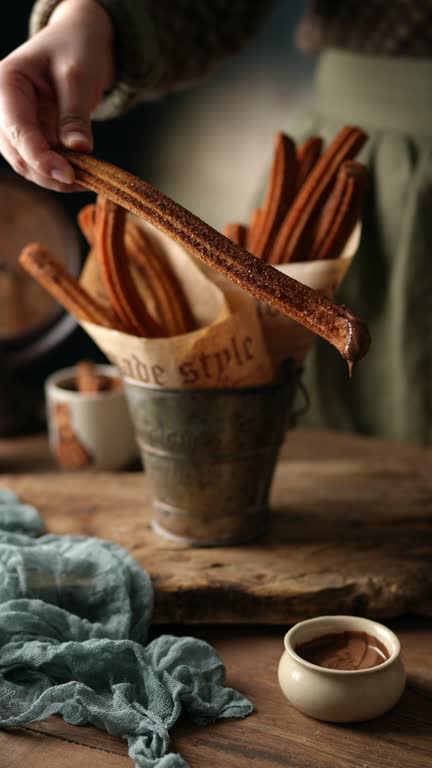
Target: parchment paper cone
{"type": "Point", "coordinates": [226, 350]}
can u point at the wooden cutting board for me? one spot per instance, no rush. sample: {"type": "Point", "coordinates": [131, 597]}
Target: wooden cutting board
{"type": "Point", "coordinates": [348, 535]}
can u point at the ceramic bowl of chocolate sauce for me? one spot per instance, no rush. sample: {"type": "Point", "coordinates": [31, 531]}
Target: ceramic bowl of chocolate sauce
{"type": "Point", "coordinates": [341, 668]}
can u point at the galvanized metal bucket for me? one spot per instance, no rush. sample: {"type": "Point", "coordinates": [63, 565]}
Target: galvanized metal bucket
{"type": "Point", "coordinates": [210, 456]}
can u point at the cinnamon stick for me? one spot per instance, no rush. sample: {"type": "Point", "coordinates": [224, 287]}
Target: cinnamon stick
{"type": "Point", "coordinates": [88, 380]}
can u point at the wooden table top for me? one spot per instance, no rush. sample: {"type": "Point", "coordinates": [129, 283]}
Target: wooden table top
{"type": "Point", "coordinates": [276, 734]}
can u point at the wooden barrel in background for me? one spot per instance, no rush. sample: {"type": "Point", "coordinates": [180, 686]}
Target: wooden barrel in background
{"type": "Point", "coordinates": [33, 327]}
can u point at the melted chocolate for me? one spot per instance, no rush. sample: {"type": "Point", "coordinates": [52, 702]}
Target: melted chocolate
{"type": "Point", "coordinates": [345, 650]}
{"type": "Point", "coordinates": [358, 341]}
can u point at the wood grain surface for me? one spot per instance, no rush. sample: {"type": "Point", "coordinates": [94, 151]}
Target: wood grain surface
{"type": "Point", "coordinates": [351, 533]}
{"type": "Point", "coordinates": [275, 735]}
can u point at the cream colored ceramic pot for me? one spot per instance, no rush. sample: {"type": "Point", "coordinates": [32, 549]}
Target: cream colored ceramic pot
{"type": "Point", "coordinates": [335, 695]}
{"type": "Point", "coordinates": [89, 430]}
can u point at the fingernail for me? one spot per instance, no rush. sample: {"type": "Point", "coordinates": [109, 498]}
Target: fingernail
{"type": "Point", "coordinates": [76, 140]}
{"type": "Point", "coordinates": [64, 175]}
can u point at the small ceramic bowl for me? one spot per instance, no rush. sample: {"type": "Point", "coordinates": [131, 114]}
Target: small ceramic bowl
{"type": "Point", "coordinates": [335, 695]}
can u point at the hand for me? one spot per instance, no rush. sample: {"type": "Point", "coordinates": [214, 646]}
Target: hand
{"type": "Point", "coordinates": [48, 89]}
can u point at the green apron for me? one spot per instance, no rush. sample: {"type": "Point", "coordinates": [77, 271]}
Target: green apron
{"type": "Point", "coordinates": [389, 284]}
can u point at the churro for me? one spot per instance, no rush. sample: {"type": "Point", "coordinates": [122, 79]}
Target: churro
{"type": "Point", "coordinates": [52, 275]}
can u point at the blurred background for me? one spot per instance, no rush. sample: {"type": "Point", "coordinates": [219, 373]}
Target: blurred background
{"type": "Point", "coordinates": [208, 147]}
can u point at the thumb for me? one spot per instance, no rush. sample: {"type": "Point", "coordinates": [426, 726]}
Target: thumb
{"type": "Point", "coordinates": [74, 110]}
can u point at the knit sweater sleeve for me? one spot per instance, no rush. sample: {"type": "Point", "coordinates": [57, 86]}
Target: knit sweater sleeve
{"type": "Point", "coordinates": [163, 45]}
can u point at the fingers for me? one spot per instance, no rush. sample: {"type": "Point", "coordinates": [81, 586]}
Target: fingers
{"type": "Point", "coordinates": [20, 166]}
{"type": "Point", "coordinates": [48, 119]}
{"type": "Point", "coordinates": [74, 96]}
{"type": "Point", "coordinates": [49, 87]}
{"type": "Point", "coordinates": [22, 133]}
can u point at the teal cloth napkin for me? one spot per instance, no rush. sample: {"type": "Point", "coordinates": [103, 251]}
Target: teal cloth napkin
{"type": "Point", "coordinates": [74, 614]}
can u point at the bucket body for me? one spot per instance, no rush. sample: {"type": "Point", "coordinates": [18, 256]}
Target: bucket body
{"type": "Point", "coordinates": [210, 457]}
